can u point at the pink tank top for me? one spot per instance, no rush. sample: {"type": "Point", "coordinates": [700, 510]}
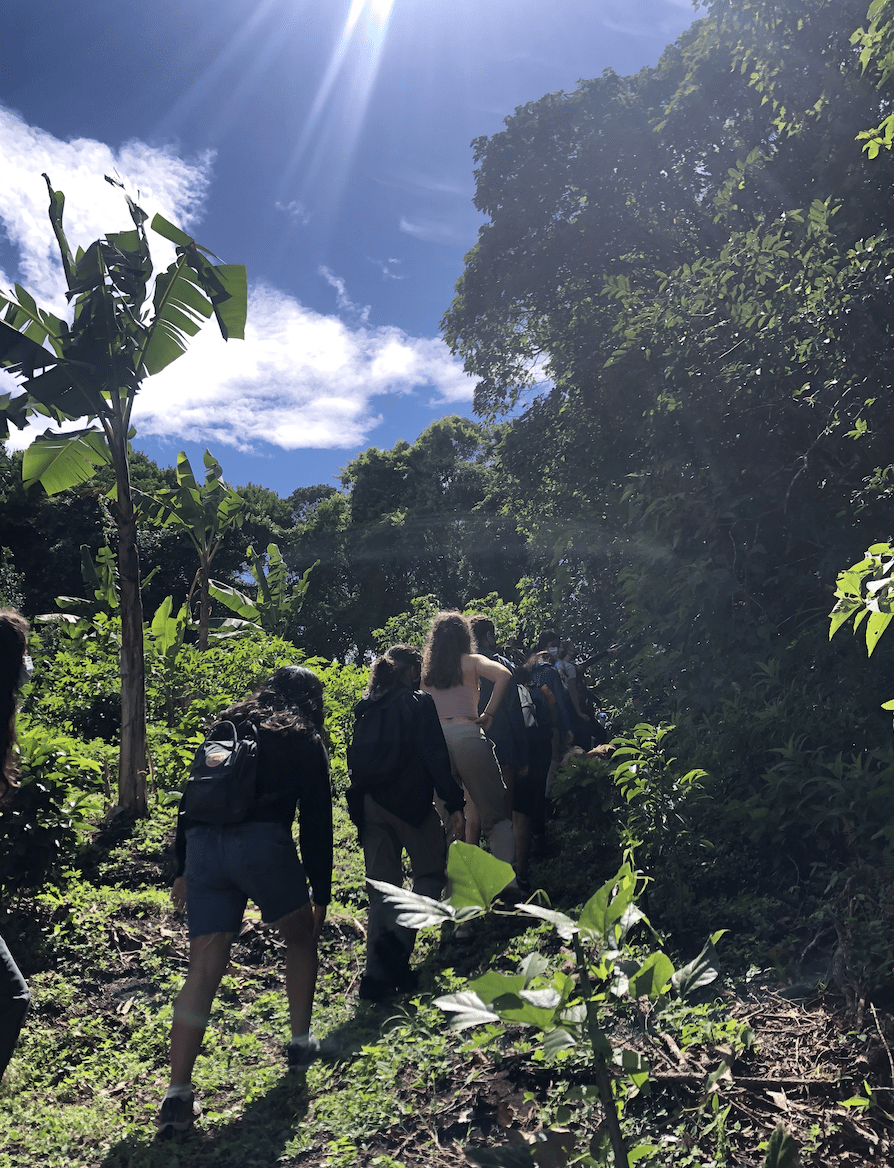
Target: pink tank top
{"type": "Point", "coordinates": [459, 701]}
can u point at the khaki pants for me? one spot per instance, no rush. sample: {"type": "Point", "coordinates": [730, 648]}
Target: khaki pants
{"type": "Point", "coordinates": [476, 767]}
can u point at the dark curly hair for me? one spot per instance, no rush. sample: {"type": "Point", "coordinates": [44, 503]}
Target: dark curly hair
{"type": "Point", "coordinates": [387, 669]}
{"type": "Point", "coordinates": [448, 638]}
{"type": "Point", "coordinates": [288, 702]}
{"type": "Point", "coordinates": [13, 643]}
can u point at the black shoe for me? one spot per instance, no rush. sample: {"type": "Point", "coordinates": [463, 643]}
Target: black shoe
{"type": "Point", "coordinates": [407, 982]}
{"type": "Point", "coordinates": [372, 989]}
{"type": "Point", "coordinates": [177, 1114]}
{"type": "Point", "coordinates": [302, 1054]}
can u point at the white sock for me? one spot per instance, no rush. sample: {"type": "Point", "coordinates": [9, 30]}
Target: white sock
{"type": "Point", "coordinates": [179, 1091]}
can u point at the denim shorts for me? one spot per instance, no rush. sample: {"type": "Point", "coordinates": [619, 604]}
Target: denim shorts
{"type": "Point", "coordinates": [229, 865]}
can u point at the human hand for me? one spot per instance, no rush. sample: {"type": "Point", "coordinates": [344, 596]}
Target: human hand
{"type": "Point", "coordinates": [485, 721]}
{"type": "Point", "coordinates": [178, 893]}
{"type": "Point", "coordinates": [457, 826]}
{"type": "Point", "coordinates": [319, 913]}
{"type": "Point", "coordinates": [606, 750]}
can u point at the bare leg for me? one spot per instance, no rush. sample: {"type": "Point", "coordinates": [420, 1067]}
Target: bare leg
{"type": "Point", "coordinates": [208, 958]}
{"type": "Point", "coordinates": [473, 822]}
{"type": "Point", "coordinates": [297, 930]}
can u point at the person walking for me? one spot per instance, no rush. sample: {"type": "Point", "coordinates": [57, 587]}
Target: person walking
{"type": "Point", "coordinates": [451, 673]}
{"type": "Point", "coordinates": [507, 733]}
{"type": "Point", "coordinates": [221, 866]}
{"type": "Point", "coordinates": [397, 760]}
{"type": "Point", "coordinates": [15, 668]}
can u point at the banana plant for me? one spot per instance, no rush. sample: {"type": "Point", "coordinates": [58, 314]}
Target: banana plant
{"type": "Point", "coordinates": [206, 512]}
{"type": "Point", "coordinates": [278, 602]}
{"type": "Point", "coordinates": [124, 327]}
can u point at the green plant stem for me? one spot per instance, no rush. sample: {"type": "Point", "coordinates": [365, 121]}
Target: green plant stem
{"type": "Point", "coordinates": [603, 1079]}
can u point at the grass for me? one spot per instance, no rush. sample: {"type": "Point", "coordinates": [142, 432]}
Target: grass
{"type": "Point", "coordinates": [105, 955]}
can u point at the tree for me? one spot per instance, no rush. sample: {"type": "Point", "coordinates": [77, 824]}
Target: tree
{"type": "Point", "coordinates": [122, 330]}
{"type": "Point", "coordinates": [206, 512]}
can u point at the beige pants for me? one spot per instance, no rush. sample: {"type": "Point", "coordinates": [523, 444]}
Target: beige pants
{"type": "Point", "coordinates": [476, 767]}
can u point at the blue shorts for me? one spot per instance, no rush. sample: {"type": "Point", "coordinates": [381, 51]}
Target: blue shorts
{"type": "Point", "coordinates": [229, 865]}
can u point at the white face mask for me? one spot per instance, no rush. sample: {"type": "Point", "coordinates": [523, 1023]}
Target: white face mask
{"type": "Point", "coordinates": [553, 651]}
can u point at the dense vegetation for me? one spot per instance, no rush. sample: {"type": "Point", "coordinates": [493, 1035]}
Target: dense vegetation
{"type": "Point", "coordinates": [679, 312]}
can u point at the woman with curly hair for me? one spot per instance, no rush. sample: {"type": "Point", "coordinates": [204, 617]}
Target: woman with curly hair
{"type": "Point", "coordinates": [450, 673]}
{"type": "Point", "coordinates": [14, 669]}
{"type": "Point", "coordinates": [221, 866]}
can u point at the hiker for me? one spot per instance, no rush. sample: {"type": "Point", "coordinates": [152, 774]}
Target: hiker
{"type": "Point", "coordinates": [397, 759]}
{"type": "Point", "coordinates": [581, 721]}
{"type": "Point", "coordinates": [450, 673]}
{"type": "Point", "coordinates": [507, 733]}
{"type": "Point", "coordinates": [221, 865]}
{"type": "Point", "coordinates": [529, 797]}
{"type": "Point", "coordinates": [15, 670]}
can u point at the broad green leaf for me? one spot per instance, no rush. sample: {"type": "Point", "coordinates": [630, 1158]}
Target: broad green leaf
{"type": "Point", "coordinates": [492, 985]}
{"type": "Point", "coordinates": [875, 626]}
{"type": "Point", "coordinates": [514, 1008]}
{"type": "Point", "coordinates": [701, 971]}
{"type": "Point", "coordinates": [467, 1009]}
{"type": "Point", "coordinates": [236, 601]}
{"type": "Point", "coordinates": [59, 461]}
{"type": "Point", "coordinates": [607, 906]}
{"type": "Point", "coordinates": [167, 229]}
{"type": "Point", "coordinates": [231, 313]}
{"type": "Point", "coordinates": [564, 925]}
{"type": "Point", "coordinates": [782, 1151]}
{"type": "Point", "coordinates": [652, 977]}
{"type": "Point", "coordinates": [534, 965]}
{"type": "Point", "coordinates": [558, 1039]}
{"type": "Point", "coordinates": [475, 877]}
{"type": "Point", "coordinates": [413, 911]}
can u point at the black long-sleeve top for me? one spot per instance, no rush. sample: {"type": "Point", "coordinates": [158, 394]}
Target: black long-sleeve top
{"type": "Point", "coordinates": [292, 774]}
{"type": "Point", "coordinates": [407, 792]}
{"type": "Point", "coordinates": [507, 731]}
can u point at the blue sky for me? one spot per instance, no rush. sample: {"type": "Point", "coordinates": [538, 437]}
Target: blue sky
{"type": "Point", "coordinates": [327, 147]}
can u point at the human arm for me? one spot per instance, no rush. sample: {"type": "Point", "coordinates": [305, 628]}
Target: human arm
{"type": "Point", "coordinates": [571, 684]}
{"type": "Point", "coordinates": [436, 756]}
{"type": "Point", "coordinates": [315, 821]}
{"type": "Point", "coordinates": [501, 678]}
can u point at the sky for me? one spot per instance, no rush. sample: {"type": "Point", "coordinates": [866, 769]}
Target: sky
{"type": "Point", "coordinates": [325, 146]}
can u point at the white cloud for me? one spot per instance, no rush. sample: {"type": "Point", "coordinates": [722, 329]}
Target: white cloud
{"type": "Point", "coordinates": [165, 183]}
{"type": "Point", "coordinates": [300, 379]}
{"type": "Point", "coordinates": [295, 210]}
{"type": "Point", "coordinates": [343, 300]}
{"type": "Point", "coordinates": [438, 231]}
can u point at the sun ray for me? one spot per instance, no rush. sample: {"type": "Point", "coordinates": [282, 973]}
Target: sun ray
{"type": "Point", "coordinates": [329, 136]}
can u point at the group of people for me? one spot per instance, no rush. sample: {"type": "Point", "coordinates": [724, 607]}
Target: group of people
{"type": "Point", "coordinates": [449, 743]}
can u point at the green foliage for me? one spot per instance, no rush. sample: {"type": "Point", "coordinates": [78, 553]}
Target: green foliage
{"type": "Point", "coordinates": [64, 790]}
{"type": "Point", "coordinates": [279, 600]}
{"type": "Point", "coordinates": [411, 628]}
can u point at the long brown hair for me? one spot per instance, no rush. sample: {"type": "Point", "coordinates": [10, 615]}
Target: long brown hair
{"type": "Point", "coordinates": [448, 638]}
{"type": "Point", "coordinates": [13, 643]}
{"type": "Point", "coordinates": [289, 702]}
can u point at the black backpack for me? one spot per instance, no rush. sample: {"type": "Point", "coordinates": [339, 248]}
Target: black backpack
{"type": "Point", "coordinates": [221, 784]}
{"type": "Point", "coordinates": [381, 741]}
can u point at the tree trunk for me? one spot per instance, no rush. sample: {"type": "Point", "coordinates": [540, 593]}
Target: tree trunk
{"type": "Point", "coordinates": [132, 757]}
{"type": "Point", "coordinates": [204, 609]}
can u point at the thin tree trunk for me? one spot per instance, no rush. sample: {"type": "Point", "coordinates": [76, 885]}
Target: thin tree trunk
{"type": "Point", "coordinates": [204, 609]}
{"type": "Point", "coordinates": [132, 758]}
